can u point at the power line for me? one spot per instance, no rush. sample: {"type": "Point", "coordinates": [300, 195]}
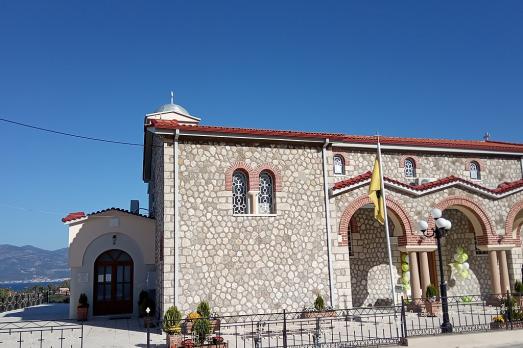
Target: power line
{"type": "Point", "coordinates": [69, 134]}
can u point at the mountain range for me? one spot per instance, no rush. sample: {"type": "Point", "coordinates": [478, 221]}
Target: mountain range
{"type": "Point", "coordinates": [28, 263]}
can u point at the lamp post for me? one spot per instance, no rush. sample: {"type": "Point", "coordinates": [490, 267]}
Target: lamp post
{"type": "Point", "coordinates": [441, 229]}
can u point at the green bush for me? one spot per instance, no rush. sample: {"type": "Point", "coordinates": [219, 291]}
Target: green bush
{"type": "Point", "coordinates": [203, 309]}
{"type": "Point", "coordinates": [431, 291]}
{"type": "Point", "coordinates": [202, 328]}
{"type": "Point", "coordinates": [171, 320]}
{"type": "Point", "coordinates": [319, 303]}
{"type": "Point", "coordinates": [518, 287]}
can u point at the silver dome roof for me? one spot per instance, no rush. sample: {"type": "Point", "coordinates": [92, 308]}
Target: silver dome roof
{"type": "Point", "coordinates": [172, 108]}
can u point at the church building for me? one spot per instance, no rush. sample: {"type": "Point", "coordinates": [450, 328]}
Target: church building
{"type": "Point", "coordinates": [259, 220]}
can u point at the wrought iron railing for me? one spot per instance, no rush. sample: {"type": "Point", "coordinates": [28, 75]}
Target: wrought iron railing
{"type": "Point", "coordinates": [44, 333]}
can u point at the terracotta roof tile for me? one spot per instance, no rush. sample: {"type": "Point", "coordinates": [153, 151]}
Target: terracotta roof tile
{"type": "Point", "coordinates": [360, 139]}
{"type": "Point", "coordinates": [81, 214]}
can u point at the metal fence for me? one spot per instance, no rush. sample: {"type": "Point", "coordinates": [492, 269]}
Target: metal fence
{"type": "Point", "coordinates": [358, 327]}
{"type": "Point", "coordinates": [22, 300]}
{"type": "Point", "coordinates": [45, 333]}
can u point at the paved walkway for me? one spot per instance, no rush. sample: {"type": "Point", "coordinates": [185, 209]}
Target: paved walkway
{"type": "Point", "coordinates": [100, 332]}
{"type": "Point", "coordinates": [493, 339]}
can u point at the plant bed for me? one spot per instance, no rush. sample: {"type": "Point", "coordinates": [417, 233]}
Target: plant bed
{"type": "Point", "coordinates": [318, 314]}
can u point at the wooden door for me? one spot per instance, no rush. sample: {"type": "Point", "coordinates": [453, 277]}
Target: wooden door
{"type": "Point", "coordinates": [113, 283]}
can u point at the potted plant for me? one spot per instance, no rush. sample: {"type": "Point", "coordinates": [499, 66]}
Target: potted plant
{"type": "Point", "coordinates": [189, 322]}
{"type": "Point", "coordinates": [204, 310]}
{"type": "Point", "coordinates": [202, 328]}
{"type": "Point", "coordinates": [83, 308]}
{"type": "Point", "coordinates": [498, 322]}
{"type": "Point", "coordinates": [432, 304]}
{"type": "Point", "coordinates": [171, 326]}
{"type": "Point", "coordinates": [218, 342]}
{"type": "Point", "coordinates": [319, 310]}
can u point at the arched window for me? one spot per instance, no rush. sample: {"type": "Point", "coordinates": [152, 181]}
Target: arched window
{"type": "Point", "coordinates": [409, 167]}
{"type": "Point", "coordinates": [474, 170]}
{"type": "Point", "coordinates": [239, 192]}
{"type": "Point", "coordinates": [339, 165]}
{"type": "Point", "coordinates": [266, 195]}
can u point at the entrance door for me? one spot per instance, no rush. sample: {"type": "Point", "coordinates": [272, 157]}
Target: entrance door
{"type": "Point", "coordinates": [113, 283]}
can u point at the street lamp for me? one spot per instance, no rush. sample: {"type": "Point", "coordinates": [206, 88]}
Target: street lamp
{"type": "Point", "coordinates": [441, 229]}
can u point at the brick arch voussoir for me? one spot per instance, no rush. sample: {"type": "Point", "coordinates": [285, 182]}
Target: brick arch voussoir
{"type": "Point", "coordinates": [362, 201]}
{"type": "Point", "coordinates": [489, 236]}
{"type": "Point", "coordinates": [240, 165]}
{"type": "Point", "coordinates": [509, 223]}
{"type": "Point", "coordinates": [276, 173]}
{"type": "Point", "coordinates": [416, 160]}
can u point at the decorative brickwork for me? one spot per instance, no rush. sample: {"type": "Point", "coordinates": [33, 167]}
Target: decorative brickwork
{"type": "Point", "coordinates": [416, 160]}
{"type": "Point", "coordinates": [489, 237]}
{"type": "Point", "coordinates": [479, 161]}
{"type": "Point", "coordinates": [364, 200]}
{"type": "Point", "coordinates": [251, 174]}
{"type": "Point", "coordinates": [275, 172]}
{"type": "Point", "coordinates": [511, 233]}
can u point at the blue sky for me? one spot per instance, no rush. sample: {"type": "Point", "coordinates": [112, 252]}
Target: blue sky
{"type": "Point", "coordinates": [407, 68]}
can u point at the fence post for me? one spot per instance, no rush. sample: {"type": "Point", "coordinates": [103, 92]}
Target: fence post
{"type": "Point", "coordinates": [82, 336]}
{"type": "Point", "coordinates": [147, 328]}
{"type": "Point", "coordinates": [509, 300]}
{"type": "Point", "coordinates": [284, 328]}
{"type": "Point", "coordinates": [403, 323]}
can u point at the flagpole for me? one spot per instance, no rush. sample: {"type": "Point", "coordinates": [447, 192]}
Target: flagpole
{"type": "Point", "coordinates": [389, 251]}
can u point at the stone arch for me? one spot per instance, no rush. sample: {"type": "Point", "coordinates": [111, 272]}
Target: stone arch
{"type": "Point", "coordinates": [361, 202]}
{"type": "Point", "coordinates": [251, 175]}
{"type": "Point", "coordinates": [513, 223]}
{"type": "Point", "coordinates": [483, 226]}
{"type": "Point", "coordinates": [275, 172]}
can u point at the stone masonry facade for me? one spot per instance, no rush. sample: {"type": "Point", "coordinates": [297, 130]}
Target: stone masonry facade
{"type": "Point", "coordinates": [253, 263]}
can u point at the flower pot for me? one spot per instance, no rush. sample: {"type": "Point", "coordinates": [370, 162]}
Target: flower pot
{"type": "Point", "coordinates": [81, 313]}
{"type": "Point", "coordinates": [215, 324]}
{"type": "Point", "coordinates": [433, 308]}
{"type": "Point", "coordinates": [174, 341]}
{"type": "Point", "coordinates": [187, 327]}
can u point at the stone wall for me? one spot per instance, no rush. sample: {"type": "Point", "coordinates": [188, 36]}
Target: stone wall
{"type": "Point", "coordinates": [494, 170]}
{"type": "Point", "coordinates": [462, 235]}
{"type": "Point", "coordinates": [370, 273]}
{"type": "Point", "coordinates": [249, 263]}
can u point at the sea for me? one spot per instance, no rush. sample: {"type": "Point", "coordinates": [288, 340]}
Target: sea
{"type": "Point", "coordinates": [23, 286]}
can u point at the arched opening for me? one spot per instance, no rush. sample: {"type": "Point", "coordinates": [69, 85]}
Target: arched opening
{"type": "Point", "coordinates": [369, 263]}
{"type": "Point", "coordinates": [113, 283]}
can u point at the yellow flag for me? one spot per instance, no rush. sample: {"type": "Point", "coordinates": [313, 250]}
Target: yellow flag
{"type": "Point", "coordinates": [375, 193]}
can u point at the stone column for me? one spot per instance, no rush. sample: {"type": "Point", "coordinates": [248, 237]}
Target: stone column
{"type": "Point", "coordinates": [415, 286]}
{"type": "Point", "coordinates": [494, 272]}
{"type": "Point", "coordinates": [425, 272]}
{"type": "Point", "coordinates": [503, 270]}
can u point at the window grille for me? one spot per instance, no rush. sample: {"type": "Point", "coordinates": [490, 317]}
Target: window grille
{"type": "Point", "coordinates": [410, 168]}
{"type": "Point", "coordinates": [266, 195]}
{"type": "Point", "coordinates": [239, 193]}
{"type": "Point", "coordinates": [474, 171]}
{"type": "Point", "coordinates": [339, 165]}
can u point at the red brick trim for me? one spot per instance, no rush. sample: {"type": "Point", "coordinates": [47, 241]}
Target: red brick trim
{"type": "Point", "coordinates": [362, 201]}
{"type": "Point", "coordinates": [343, 156]}
{"type": "Point", "coordinates": [509, 224]}
{"type": "Point", "coordinates": [413, 157]}
{"type": "Point", "coordinates": [489, 236]}
{"type": "Point", "coordinates": [275, 172]}
{"type": "Point", "coordinates": [480, 162]}
{"type": "Point", "coordinates": [251, 175]}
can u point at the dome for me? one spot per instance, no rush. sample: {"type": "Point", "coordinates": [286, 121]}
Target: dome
{"type": "Point", "coordinates": [172, 108]}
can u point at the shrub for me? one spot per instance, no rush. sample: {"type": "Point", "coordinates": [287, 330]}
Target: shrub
{"type": "Point", "coordinates": [82, 301]}
{"type": "Point", "coordinates": [431, 291]}
{"type": "Point", "coordinates": [319, 303]}
{"type": "Point", "coordinates": [202, 328]}
{"type": "Point", "coordinates": [498, 319]}
{"type": "Point", "coordinates": [203, 309]}
{"type": "Point", "coordinates": [171, 320]}
{"type": "Point", "coordinates": [518, 287]}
